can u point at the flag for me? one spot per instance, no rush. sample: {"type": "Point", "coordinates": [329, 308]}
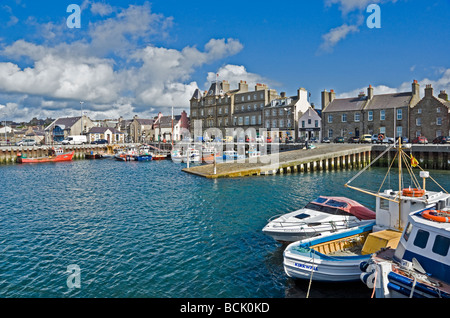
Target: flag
{"type": "Point", "coordinates": [414, 162]}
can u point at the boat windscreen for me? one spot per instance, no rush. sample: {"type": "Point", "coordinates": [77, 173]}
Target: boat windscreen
{"type": "Point", "coordinates": [326, 209]}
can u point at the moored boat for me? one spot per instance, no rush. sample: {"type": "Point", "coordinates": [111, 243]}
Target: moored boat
{"type": "Point", "coordinates": [420, 265]}
{"type": "Point", "coordinates": [55, 155]}
{"type": "Point", "coordinates": [340, 261]}
{"type": "Point", "coordinates": [322, 216]}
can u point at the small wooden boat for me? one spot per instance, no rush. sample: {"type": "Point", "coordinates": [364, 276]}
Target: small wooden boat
{"type": "Point", "coordinates": [159, 157]}
{"type": "Point", "coordinates": [54, 156]}
{"type": "Point", "coordinates": [93, 156]}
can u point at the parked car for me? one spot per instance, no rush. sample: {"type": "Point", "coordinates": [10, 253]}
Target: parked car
{"type": "Point", "coordinates": [353, 140]}
{"type": "Point", "coordinates": [366, 138]}
{"type": "Point", "coordinates": [420, 140]}
{"type": "Point", "coordinates": [339, 140]}
{"type": "Point", "coordinates": [442, 140]}
{"type": "Point", "coordinates": [326, 140]}
{"type": "Point", "coordinates": [26, 142]}
{"type": "Point", "coordinates": [100, 142]}
{"type": "Point", "coordinates": [404, 140]}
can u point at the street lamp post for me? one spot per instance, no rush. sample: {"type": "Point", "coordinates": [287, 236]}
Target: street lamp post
{"type": "Point", "coordinates": [81, 103]}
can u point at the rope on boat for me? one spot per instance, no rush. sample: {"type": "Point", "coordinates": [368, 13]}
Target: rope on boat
{"type": "Point", "coordinates": [312, 272]}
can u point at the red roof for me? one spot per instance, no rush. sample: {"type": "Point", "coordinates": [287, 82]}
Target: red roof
{"type": "Point", "coordinates": [348, 205]}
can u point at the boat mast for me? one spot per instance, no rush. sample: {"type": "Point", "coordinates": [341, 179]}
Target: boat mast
{"type": "Point", "coordinates": [400, 157]}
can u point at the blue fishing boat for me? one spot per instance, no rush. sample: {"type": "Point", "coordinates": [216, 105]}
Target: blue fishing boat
{"type": "Point", "coordinates": [338, 257]}
{"type": "Point", "coordinates": [420, 265]}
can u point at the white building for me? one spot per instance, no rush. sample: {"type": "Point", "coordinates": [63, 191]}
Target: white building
{"type": "Point", "coordinates": [309, 124]}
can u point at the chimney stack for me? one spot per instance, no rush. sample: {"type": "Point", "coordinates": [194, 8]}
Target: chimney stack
{"type": "Point", "coordinates": [243, 87]}
{"type": "Point", "coordinates": [428, 91]}
{"type": "Point", "coordinates": [443, 95]}
{"type": "Point", "coordinates": [415, 89]}
{"type": "Point", "coordinates": [325, 99]}
{"type": "Point", "coordinates": [370, 92]}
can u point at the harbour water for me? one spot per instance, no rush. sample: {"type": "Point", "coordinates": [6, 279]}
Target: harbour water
{"type": "Point", "coordinates": [147, 229]}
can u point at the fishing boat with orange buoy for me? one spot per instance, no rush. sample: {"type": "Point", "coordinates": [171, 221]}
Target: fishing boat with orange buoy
{"type": "Point", "coordinates": [54, 155]}
{"type": "Point", "coordinates": [342, 256]}
{"type": "Point", "coordinates": [419, 267]}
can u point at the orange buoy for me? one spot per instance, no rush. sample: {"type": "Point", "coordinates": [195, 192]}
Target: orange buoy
{"type": "Point", "coordinates": [413, 192]}
{"type": "Point", "coordinates": [436, 215]}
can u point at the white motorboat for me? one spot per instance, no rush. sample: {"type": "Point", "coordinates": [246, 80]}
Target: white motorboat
{"type": "Point", "coordinates": [177, 155]}
{"type": "Point", "coordinates": [323, 216]}
{"type": "Point", "coordinates": [337, 257]}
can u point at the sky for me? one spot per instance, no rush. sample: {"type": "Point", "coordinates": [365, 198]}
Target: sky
{"type": "Point", "coordinates": [143, 57]}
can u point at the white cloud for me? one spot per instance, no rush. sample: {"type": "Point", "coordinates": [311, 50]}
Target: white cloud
{"type": "Point", "coordinates": [438, 84]}
{"type": "Point", "coordinates": [335, 35]}
{"type": "Point", "coordinates": [353, 15]}
{"type": "Point", "coordinates": [114, 69]}
{"type": "Point", "coordinates": [235, 73]}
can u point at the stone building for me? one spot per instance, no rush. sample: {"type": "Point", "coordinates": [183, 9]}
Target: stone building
{"type": "Point", "coordinates": [368, 114]}
{"type": "Point", "coordinates": [223, 108]}
{"type": "Point", "coordinates": [68, 126]}
{"type": "Point", "coordinates": [430, 117]}
{"type": "Point", "coordinates": [141, 130]}
{"type": "Point", "coordinates": [112, 135]}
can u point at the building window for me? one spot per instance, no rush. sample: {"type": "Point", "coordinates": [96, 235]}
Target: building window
{"type": "Point", "coordinates": [330, 118]}
{"type": "Point", "coordinates": [439, 121]}
{"type": "Point", "coordinates": [438, 133]}
{"type": "Point", "coordinates": [267, 113]}
{"type": "Point", "coordinates": [382, 130]}
{"type": "Point", "coordinates": [382, 114]}
{"type": "Point", "coordinates": [357, 117]}
{"type": "Point", "coordinates": [399, 131]}
{"type": "Point", "coordinates": [303, 124]}
{"type": "Point", "coordinates": [247, 120]}
{"type": "Point", "coordinates": [316, 123]}
{"type": "Point", "coordinates": [344, 118]}
{"type": "Point", "coordinates": [370, 115]}
{"type": "Point", "coordinates": [220, 110]}
{"type": "Point", "coordinates": [274, 112]}
{"type": "Point", "coordinates": [281, 112]}
{"type": "Point", "coordinates": [226, 121]}
{"type": "Point", "coordinates": [419, 111]}
{"type": "Point", "coordinates": [241, 121]}
{"type": "Point", "coordinates": [418, 133]}
{"type": "Point", "coordinates": [399, 114]}
{"type": "Point", "coordinates": [438, 110]}
{"type": "Point", "coordinates": [226, 110]}
{"type": "Point", "coordinates": [281, 123]}
{"type": "Point", "coordinates": [289, 123]}
{"type": "Point", "coordinates": [267, 124]}
{"type": "Point", "coordinates": [259, 119]}
{"type": "Point", "coordinates": [419, 121]}
{"type": "Point", "coordinates": [330, 133]}
{"type": "Point", "coordinates": [253, 120]}
{"type": "Point", "coordinates": [274, 123]}
{"type": "Point", "coordinates": [309, 121]}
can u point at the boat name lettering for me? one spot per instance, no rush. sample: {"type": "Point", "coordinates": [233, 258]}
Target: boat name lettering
{"type": "Point", "coordinates": [314, 268]}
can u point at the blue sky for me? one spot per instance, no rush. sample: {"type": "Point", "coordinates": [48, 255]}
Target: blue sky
{"type": "Point", "coordinates": [142, 57]}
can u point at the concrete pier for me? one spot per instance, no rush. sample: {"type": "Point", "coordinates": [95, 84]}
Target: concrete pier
{"type": "Point", "coordinates": [8, 154]}
{"type": "Point", "coordinates": [324, 157]}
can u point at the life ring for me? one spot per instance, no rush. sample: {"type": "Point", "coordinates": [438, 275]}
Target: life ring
{"type": "Point", "coordinates": [416, 193]}
{"type": "Point", "coordinates": [380, 137]}
{"type": "Point", "coordinates": [436, 215]}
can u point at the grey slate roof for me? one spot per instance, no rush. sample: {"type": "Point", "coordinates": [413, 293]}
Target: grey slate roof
{"type": "Point", "coordinates": [64, 123]}
{"type": "Point", "coordinates": [384, 101]}
{"type": "Point", "coordinates": [346, 104]}
{"type": "Point", "coordinates": [101, 130]}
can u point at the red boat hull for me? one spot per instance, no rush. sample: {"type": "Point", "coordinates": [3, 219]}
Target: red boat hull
{"type": "Point", "coordinates": [59, 158]}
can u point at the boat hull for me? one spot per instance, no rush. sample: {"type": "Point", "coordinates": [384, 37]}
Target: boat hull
{"type": "Point", "coordinates": [59, 158]}
{"type": "Point", "coordinates": [143, 158]}
{"type": "Point", "coordinates": [301, 261]}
